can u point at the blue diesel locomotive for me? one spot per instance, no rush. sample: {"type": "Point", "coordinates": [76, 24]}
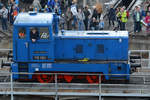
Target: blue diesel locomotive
{"type": "Point", "coordinates": [38, 47]}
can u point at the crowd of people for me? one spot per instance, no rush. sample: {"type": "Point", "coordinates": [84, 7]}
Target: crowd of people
{"type": "Point", "coordinates": [141, 17]}
{"type": "Point", "coordinates": [8, 13]}
{"type": "Point", "coordinates": [75, 17]}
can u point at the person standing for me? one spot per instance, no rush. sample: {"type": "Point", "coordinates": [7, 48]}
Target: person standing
{"type": "Point", "coordinates": [137, 17]}
{"type": "Point", "coordinates": [95, 13]}
{"type": "Point", "coordinates": [147, 20]}
{"type": "Point", "coordinates": [101, 23]}
{"type": "Point", "coordinates": [15, 12]}
{"type": "Point", "coordinates": [36, 4]}
{"type": "Point", "coordinates": [148, 9]}
{"type": "Point", "coordinates": [80, 17]}
{"type": "Point", "coordinates": [63, 6]}
{"type": "Point", "coordinates": [62, 22]}
{"type": "Point", "coordinates": [124, 19]}
{"type": "Point", "coordinates": [74, 13]}
{"type": "Point", "coordinates": [111, 16]}
{"type": "Point", "coordinates": [118, 15]}
{"type": "Point", "coordinates": [4, 16]}
{"type": "Point", "coordinates": [51, 5]}
{"type": "Point", "coordinates": [68, 18]}
{"type": "Point", "coordinates": [86, 20]}
{"type": "Point", "coordinates": [43, 3]}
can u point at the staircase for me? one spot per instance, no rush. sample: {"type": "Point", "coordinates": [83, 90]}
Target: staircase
{"type": "Point", "coordinates": [142, 76]}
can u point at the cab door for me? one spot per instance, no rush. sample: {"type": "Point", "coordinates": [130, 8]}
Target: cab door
{"type": "Point", "coordinates": [41, 50]}
{"type": "Point", "coordinates": [21, 45]}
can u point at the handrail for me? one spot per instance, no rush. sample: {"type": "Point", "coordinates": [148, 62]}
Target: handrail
{"type": "Point", "coordinates": [5, 49]}
{"type": "Point", "coordinates": [131, 4]}
{"type": "Point", "coordinates": [75, 89]}
{"type": "Point", "coordinates": [116, 5]}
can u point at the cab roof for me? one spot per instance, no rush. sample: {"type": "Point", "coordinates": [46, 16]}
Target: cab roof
{"type": "Point", "coordinates": [34, 19]}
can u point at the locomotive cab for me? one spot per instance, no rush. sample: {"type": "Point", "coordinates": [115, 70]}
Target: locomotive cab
{"type": "Point", "coordinates": [33, 38]}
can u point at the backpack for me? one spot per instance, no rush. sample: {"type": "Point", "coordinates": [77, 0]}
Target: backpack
{"type": "Point", "coordinates": [128, 14]}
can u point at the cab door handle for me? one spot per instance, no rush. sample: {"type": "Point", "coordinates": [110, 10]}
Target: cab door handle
{"type": "Point", "coordinates": [26, 44]}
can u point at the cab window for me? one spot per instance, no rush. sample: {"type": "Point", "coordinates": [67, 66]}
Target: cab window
{"type": "Point", "coordinates": [44, 32]}
{"type": "Point", "coordinates": [34, 34]}
{"type": "Point", "coordinates": [40, 33]}
{"type": "Point", "coordinates": [22, 33]}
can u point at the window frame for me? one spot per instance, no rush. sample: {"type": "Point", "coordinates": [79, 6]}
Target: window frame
{"type": "Point", "coordinates": [19, 33]}
{"type": "Point", "coordinates": [39, 31]}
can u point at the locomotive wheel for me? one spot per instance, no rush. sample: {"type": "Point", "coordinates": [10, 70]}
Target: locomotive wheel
{"type": "Point", "coordinates": [68, 78]}
{"type": "Point", "coordinates": [43, 78]}
{"type": "Point", "coordinates": [92, 78]}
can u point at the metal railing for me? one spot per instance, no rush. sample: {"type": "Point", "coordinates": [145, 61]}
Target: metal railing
{"type": "Point", "coordinates": [131, 5]}
{"type": "Point", "coordinates": [139, 86]}
{"type": "Point", "coordinates": [117, 4]}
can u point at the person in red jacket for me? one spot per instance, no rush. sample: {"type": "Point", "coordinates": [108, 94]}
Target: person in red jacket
{"type": "Point", "coordinates": [147, 20]}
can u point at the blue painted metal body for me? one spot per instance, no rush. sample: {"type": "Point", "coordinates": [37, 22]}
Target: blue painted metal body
{"type": "Point", "coordinates": [106, 51]}
{"type": "Point", "coordinates": [92, 48]}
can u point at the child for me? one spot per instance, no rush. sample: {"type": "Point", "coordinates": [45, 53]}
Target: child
{"type": "Point", "coordinates": [147, 20]}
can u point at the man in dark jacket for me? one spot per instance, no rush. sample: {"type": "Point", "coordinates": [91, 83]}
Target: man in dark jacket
{"type": "Point", "coordinates": [69, 18]}
{"type": "Point", "coordinates": [93, 24]}
{"type": "Point", "coordinates": [86, 14]}
{"type": "Point", "coordinates": [111, 16]}
{"type": "Point", "coordinates": [34, 35]}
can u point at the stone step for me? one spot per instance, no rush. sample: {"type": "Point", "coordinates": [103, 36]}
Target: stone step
{"type": "Point", "coordinates": [136, 80]}
{"type": "Point", "coordinates": [143, 69]}
{"type": "Point", "coordinates": [141, 76]}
